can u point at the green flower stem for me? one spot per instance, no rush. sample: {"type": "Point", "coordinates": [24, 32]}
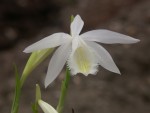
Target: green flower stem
{"type": "Point", "coordinates": [38, 97]}
{"type": "Point", "coordinates": [34, 60]}
{"type": "Point", "coordinates": [15, 104]}
{"type": "Point", "coordinates": [64, 89]}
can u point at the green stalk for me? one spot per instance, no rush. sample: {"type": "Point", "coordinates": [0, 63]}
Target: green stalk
{"type": "Point", "coordinates": [15, 104]}
{"type": "Point", "coordinates": [37, 98]}
{"type": "Point", "coordinates": [34, 60]}
{"type": "Point", "coordinates": [64, 86]}
{"type": "Point", "coordinates": [64, 89]}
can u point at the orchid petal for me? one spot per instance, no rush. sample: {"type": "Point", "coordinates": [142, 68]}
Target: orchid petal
{"type": "Point", "coordinates": [76, 26]}
{"type": "Point", "coordinates": [81, 59]}
{"type": "Point", "coordinates": [57, 62]}
{"type": "Point", "coordinates": [108, 37]}
{"type": "Point", "coordinates": [104, 58]}
{"type": "Point", "coordinates": [46, 107]}
{"type": "Point", "coordinates": [51, 41]}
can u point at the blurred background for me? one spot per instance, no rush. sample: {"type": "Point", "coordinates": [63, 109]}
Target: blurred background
{"type": "Point", "coordinates": [23, 22]}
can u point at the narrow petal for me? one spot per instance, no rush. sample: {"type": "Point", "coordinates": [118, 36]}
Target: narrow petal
{"type": "Point", "coordinates": [48, 42]}
{"type": "Point", "coordinates": [108, 37]}
{"type": "Point", "coordinates": [57, 62]}
{"type": "Point", "coordinates": [82, 59]}
{"type": "Point", "coordinates": [104, 58]}
{"type": "Point", "coordinates": [46, 107]}
{"type": "Point", "coordinates": [76, 26]}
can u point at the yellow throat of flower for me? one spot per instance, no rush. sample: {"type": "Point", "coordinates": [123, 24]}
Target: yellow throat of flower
{"type": "Point", "coordinates": [83, 62]}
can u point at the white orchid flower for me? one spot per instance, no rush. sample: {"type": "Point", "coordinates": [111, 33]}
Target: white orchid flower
{"type": "Point", "coordinates": [46, 107]}
{"type": "Point", "coordinates": [81, 52]}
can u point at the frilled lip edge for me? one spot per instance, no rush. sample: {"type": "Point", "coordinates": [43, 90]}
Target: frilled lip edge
{"type": "Point", "coordinates": [82, 59]}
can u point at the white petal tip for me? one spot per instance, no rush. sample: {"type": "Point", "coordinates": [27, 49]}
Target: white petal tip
{"type": "Point", "coordinates": [46, 84]}
{"type": "Point", "coordinates": [46, 107]}
{"type": "Point", "coordinates": [26, 50]}
{"type": "Point", "coordinates": [117, 71]}
{"type": "Point", "coordinates": [136, 41]}
{"type": "Point", "coordinates": [77, 16]}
